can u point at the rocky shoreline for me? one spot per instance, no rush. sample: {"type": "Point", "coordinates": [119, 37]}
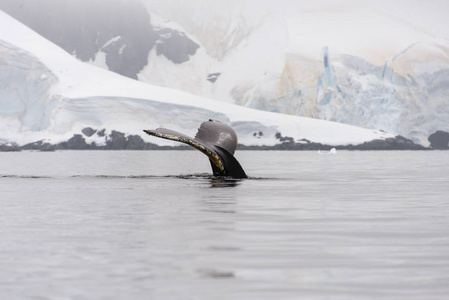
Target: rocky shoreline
{"type": "Point", "coordinates": [119, 141]}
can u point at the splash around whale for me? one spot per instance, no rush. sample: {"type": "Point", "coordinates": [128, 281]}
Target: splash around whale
{"type": "Point", "coordinates": [216, 140]}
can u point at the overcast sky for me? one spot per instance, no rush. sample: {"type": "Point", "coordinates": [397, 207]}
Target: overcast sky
{"type": "Point", "coordinates": [432, 15]}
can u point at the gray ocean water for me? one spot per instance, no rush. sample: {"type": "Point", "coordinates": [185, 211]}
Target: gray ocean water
{"type": "Point", "coordinates": [155, 225]}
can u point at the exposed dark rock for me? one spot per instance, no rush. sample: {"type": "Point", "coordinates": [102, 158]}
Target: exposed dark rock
{"type": "Point", "coordinates": [439, 140]}
{"type": "Point", "coordinates": [116, 141]}
{"type": "Point", "coordinates": [119, 141]}
{"type": "Point", "coordinates": [39, 145]}
{"type": "Point", "coordinates": [284, 139]}
{"type": "Point", "coordinates": [213, 77]}
{"type": "Point", "coordinates": [175, 45]}
{"type": "Point", "coordinates": [397, 143]}
{"type": "Point", "coordinates": [77, 142]}
{"type": "Point", "coordinates": [258, 135]}
{"type": "Point", "coordinates": [9, 148]}
{"type": "Point", "coordinates": [135, 142]}
{"type": "Point", "coordinates": [88, 131]}
{"type": "Point", "coordinates": [101, 133]}
{"type": "Point", "coordinates": [121, 29]}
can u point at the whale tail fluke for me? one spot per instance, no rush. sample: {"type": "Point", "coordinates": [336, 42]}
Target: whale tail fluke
{"type": "Point", "coordinates": [216, 140]}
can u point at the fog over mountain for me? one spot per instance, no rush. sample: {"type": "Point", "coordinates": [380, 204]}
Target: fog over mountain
{"type": "Point", "coordinates": [118, 31]}
{"type": "Point", "coordinates": [349, 62]}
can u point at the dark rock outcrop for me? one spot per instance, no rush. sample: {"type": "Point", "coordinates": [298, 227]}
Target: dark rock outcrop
{"type": "Point", "coordinates": [9, 148]}
{"type": "Point", "coordinates": [213, 77]}
{"type": "Point", "coordinates": [175, 45]}
{"type": "Point", "coordinates": [39, 145]}
{"type": "Point", "coordinates": [397, 143]}
{"type": "Point", "coordinates": [120, 29]}
{"type": "Point", "coordinates": [439, 140]}
{"type": "Point", "coordinates": [116, 140]}
{"type": "Point", "coordinates": [88, 131]}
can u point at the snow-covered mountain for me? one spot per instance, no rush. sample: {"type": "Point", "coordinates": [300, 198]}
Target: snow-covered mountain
{"type": "Point", "coordinates": [49, 97]}
{"type": "Point", "coordinates": [346, 63]}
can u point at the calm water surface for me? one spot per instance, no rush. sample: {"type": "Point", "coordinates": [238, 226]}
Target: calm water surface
{"type": "Point", "coordinates": [155, 225]}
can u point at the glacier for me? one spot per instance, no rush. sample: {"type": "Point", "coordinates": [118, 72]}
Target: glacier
{"type": "Point", "coordinates": [373, 70]}
{"type": "Point", "coordinates": [48, 97]}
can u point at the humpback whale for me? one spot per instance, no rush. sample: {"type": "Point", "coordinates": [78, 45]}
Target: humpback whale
{"type": "Point", "coordinates": [215, 139]}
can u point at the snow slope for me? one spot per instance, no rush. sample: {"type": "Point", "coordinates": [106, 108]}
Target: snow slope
{"type": "Point", "coordinates": [46, 94]}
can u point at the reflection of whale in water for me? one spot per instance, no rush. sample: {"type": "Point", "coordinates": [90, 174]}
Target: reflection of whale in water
{"type": "Point", "coordinates": [215, 139]}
